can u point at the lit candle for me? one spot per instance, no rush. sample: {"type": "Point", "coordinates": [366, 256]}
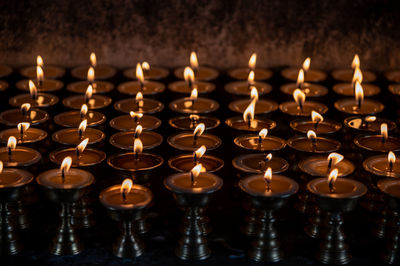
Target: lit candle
{"type": "Point", "coordinates": [150, 72]}
{"type": "Point", "coordinates": [244, 88]}
{"type": "Point", "coordinates": [130, 121]}
{"type": "Point", "coordinates": [74, 118]}
{"type": "Point", "coordinates": [102, 71]}
{"type": "Point", "coordinates": [310, 75]}
{"type": "Point", "coordinates": [260, 142]}
{"type": "Point", "coordinates": [301, 107]}
{"type": "Point", "coordinates": [378, 143]}
{"type": "Point", "coordinates": [201, 72]}
{"type": "Point", "coordinates": [242, 73]}
{"type": "Point", "coordinates": [191, 121]}
{"type": "Point", "coordinates": [347, 74]}
{"type": "Point", "coordinates": [73, 136]}
{"type": "Point", "coordinates": [309, 89]}
{"type": "Point", "coordinates": [320, 165]}
{"type": "Point", "coordinates": [256, 163]}
{"type": "Point", "coordinates": [367, 123]}
{"type": "Point", "coordinates": [25, 113]}
{"type": "Point", "coordinates": [313, 144]}
{"type": "Point", "coordinates": [383, 165]}
{"type": "Point", "coordinates": [194, 104]}
{"type": "Point", "coordinates": [261, 106]}
{"type": "Point", "coordinates": [34, 98]}
{"type": "Point", "coordinates": [348, 89]}
{"type": "Point", "coordinates": [93, 101]}
{"type": "Point", "coordinates": [317, 123]}
{"type": "Point", "coordinates": [13, 155]}
{"type": "Point", "coordinates": [41, 83]}
{"type": "Point", "coordinates": [22, 134]}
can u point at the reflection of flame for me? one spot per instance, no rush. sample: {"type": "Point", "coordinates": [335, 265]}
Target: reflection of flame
{"type": "Point", "coordinates": [300, 79]}
{"type": "Point", "coordinates": [23, 127]}
{"type": "Point", "coordinates": [356, 62]}
{"type": "Point", "coordinates": [316, 117]}
{"type": "Point", "coordinates": [253, 61]}
{"type": "Point", "coordinates": [126, 185]}
{"type": "Point", "coordinates": [299, 97]}
{"type": "Point", "coordinates": [250, 78]}
{"type": "Point", "coordinates": [356, 123]}
{"type": "Point", "coordinates": [145, 66]}
{"type": "Point", "coordinates": [384, 131]}
{"type": "Point", "coordinates": [93, 60]}
{"type": "Point", "coordinates": [139, 96]}
{"type": "Point", "coordinates": [359, 95]}
{"type": "Point", "coordinates": [194, 63]}
{"type": "Point", "coordinates": [139, 73]}
{"type": "Point", "coordinates": [193, 94]}
{"type": "Point", "coordinates": [1, 167]}
{"type": "Point", "coordinates": [332, 178]}
{"type": "Point", "coordinates": [200, 152]}
{"type": "Point", "coordinates": [311, 135]}
{"type": "Point", "coordinates": [84, 110]}
{"type": "Point", "coordinates": [199, 129]}
{"type": "Point", "coordinates": [248, 114]}
{"type": "Point", "coordinates": [268, 157]}
{"type": "Point", "coordinates": [253, 93]}
{"type": "Point", "coordinates": [39, 61]}
{"type": "Point", "coordinates": [137, 146]}
{"type": "Point", "coordinates": [32, 90]}
{"type": "Point", "coordinates": [82, 127]}
{"type": "Point", "coordinates": [39, 74]}
{"type": "Point", "coordinates": [12, 143]}
{"type": "Point", "coordinates": [66, 164]}
{"type": "Point", "coordinates": [370, 119]}
{"type": "Point", "coordinates": [81, 146]}
{"type": "Point", "coordinates": [306, 64]}
{"type": "Point", "coordinates": [188, 74]}
{"type": "Point", "coordinates": [391, 157]}
{"type": "Point", "coordinates": [90, 75]}
{"type": "Point", "coordinates": [263, 133]}
{"type": "Point", "coordinates": [335, 157]}
{"type": "Point", "coordinates": [357, 76]}
{"type": "Point", "coordinates": [135, 115]}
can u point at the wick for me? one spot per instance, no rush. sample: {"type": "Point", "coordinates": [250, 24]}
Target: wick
{"type": "Point", "coordinates": [331, 187]}
{"type": "Point", "coordinates": [300, 107]}
{"type": "Point", "coordinates": [123, 196]}
{"type": "Point", "coordinates": [40, 83]}
{"type": "Point", "coordinates": [136, 155]}
{"type": "Point", "coordinates": [316, 125]}
{"type": "Point", "coordinates": [268, 186]}
{"type": "Point", "coordinates": [190, 84]}
{"type": "Point", "coordinates": [62, 175]}
{"type": "Point", "coordinates": [136, 135]}
{"type": "Point", "coordinates": [80, 132]}
{"type": "Point", "coordinates": [135, 119]}
{"type": "Point", "coordinates": [22, 134]}
{"type": "Point", "coordinates": [141, 85]}
{"type": "Point", "coordinates": [193, 122]}
{"type": "Point", "coordinates": [249, 123]}
{"type": "Point", "coordinates": [314, 144]}
{"type": "Point", "coordinates": [194, 139]}
{"type": "Point", "coordinates": [390, 166]}
{"type": "Point", "coordinates": [192, 179]}
{"type": "Point", "coordinates": [329, 164]}
{"type": "Point", "coordinates": [383, 140]}
{"type": "Point", "coordinates": [9, 153]}
{"type": "Point", "coordinates": [78, 155]}
{"type": "Point", "coordinates": [195, 158]}
{"type": "Point", "coordinates": [259, 140]}
{"type": "Point", "coordinates": [359, 104]}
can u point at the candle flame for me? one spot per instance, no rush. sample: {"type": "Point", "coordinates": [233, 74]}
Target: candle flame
{"type": "Point", "coordinates": [356, 62]}
{"type": "Point", "coordinates": [12, 143]}
{"type": "Point", "coordinates": [23, 127]}
{"type": "Point", "coordinates": [332, 177]}
{"type": "Point", "coordinates": [194, 117]}
{"type": "Point", "coordinates": [335, 157]}
{"type": "Point", "coordinates": [194, 94]}
{"type": "Point", "coordinates": [135, 115]}
{"type": "Point", "coordinates": [250, 77]}
{"type": "Point", "coordinates": [268, 157]}
{"type": "Point", "coordinates": [299, 97]}
{"type": "Point", "coordinates": [1, 167]}
{"type": "Point", "coordinates": [66, 164]}
{"type": "Point", "coordinates": [39, 61]}
{"type": "Point", "coordinates": [391, 157]}
{"type": "Point", "coordinates": [200, 152]}
{"type": "Point", "coordinates": [268, 175]}
{"type": "Point", "coordinates": [32, 89]}
{"type": "Point", "coordinates": [139, 96]}
{"type": "Point", "coordinates": [138, 130]}
{"type": "Point", "coordinates": [263, 133]}
{"type": "Point", "coordinates": [300, 78]}
{"type": "Point", "coordinates": [25, 107]}
{"type": "Point", "coordinates": [253, 93]}
{"type": "Point", "coordinates": [137, 146]}
{"type": "Point", "coordinates": [93, 60]}
{"type": "Point", "coordinates": [194, 63]}
{"type": "Point", "coordinates": [81, 146]}
{"type": "Point", "coordinates": [253, 61]}
{"type": "Point", "coordinates": [82, 127]}
{"type": "Point", "coordinates": [145, 66]}
{"type": "Point", "coordinates": [139, 72]}
{"type": "Point", "coordinates": [39, 74]}
{"type": "Point", "coordinates": [89, 92]}
{"type": "Point", "coordinates": [197, 170]}
{"type": "Point", "coordinates": [311, 135]}
{"type": "Point", "coordinates": [248, 114]}
{"type": "Point", "coordinates": [370, 119]}
{"type": "Point", "coordinates": [316, 117]}
{"type": "Point", "coordinates": [188, 74]}
{"type": "Point", "coordinates": [199, 129]}
{"type": "Point", "coordinates": [84, 110]}
{"type": "Point", "coordinates": [126, 185]}
{"type": "Point", "coordinates": [306, 64]}
{"type": "Point", "coordinates": [90, 75]}
{"type": "Point", "coordinates": [359, 95]}
{"type": "Point", "coordinates": [384, 131]}
{"type": "Point", "coordinates": [357, 76]}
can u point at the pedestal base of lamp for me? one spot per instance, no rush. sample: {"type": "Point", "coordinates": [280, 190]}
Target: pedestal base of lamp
{"type": "Point", "coordinates": [128, 245]}
{"type": "Point", "coordinates": [9, 244]}
{"type": "Point", "coordinates": [82, 216]}
{"type": "Point", "coordinates": [313, 228]}
{"type": "Point", "coordinates": [141, 225]}
{"type": "Point", "coordinates": [250, 226]}
{"type": "Point", "coordinates": [392, 252]}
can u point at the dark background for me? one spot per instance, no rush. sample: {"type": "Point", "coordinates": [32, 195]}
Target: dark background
{"type": "Point", "coordinates": [225, 33]}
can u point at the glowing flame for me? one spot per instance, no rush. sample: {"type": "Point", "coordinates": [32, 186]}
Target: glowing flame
{"type": "Point", "coordinates": [135, 115]}
{"type": "Point", "coordinates": [137, 146]}
{"type": "Point", "coordinates": [194, 117]}
{"type": "Point", "coordinates": [39, 74]}
{"type": "Point", "coordinates": [66, 164]}
{"type": "Point", "coordinates": [199, 129]}
{"type": "Point", "coordinates": [32, 89]}
{"type": "Point", "coordinates": [81, 146]}
{"type": "Point", "coordinates": [299, 97]}
{"type": "Point", "coordinates": [332, 177]}
{"type": "Point", "coordinates": [300, 78]}
{"type": "Point", "coordinates": [391, 157]}
{"type": "Point", "coordinates": [311, 135]}
{"type": "Point", "coordinates": [82, 127]}
{"type": "Point", "coordinates": [359, 93]}
{"type": "Point", "coordinates": [335, 158]}
{"type": "Point", "coordinates": [370, 119]}
{"type": "Point", "coordinates": [23, 127]}
{"type": "Point", "coordinates": [356, 62]}
{"type": "Point", "coordinates": [357, 76]}
{"type": "Point", "coordinates": [11, 143]}
{"type": "Point", "coordinates": [268, 175]}
{"type": "Point", "coordinates": [250, 78]}
{"type": "Point", "coordinates": [268, 157]}
{"type": "Point", "coordinates": [194, 63]}
{"type": "Point", "coordinates": [254, 93]}
{"type": "Point", "coordinates": [306, 64]}
{"type": "Point", "coordinates": [1, 167]}
{"type": "Point", "coordinates": [138, 130]}
{"type": "Point", "coordinates": [93, 60]}
{"type": "Point", "coordinates": [200, 152]}
{"type": "Point", "coordinates": [197, 170]}
{"type": "Point", "coordinates": [356, 123]}
{"type": "Point", "coordinates": [139, 96]}
{"type": "Point", "coordinates": [89, 92]}
{"type": "Point", "coordinates": [145, 66]}
{"type": "Point", "coordinates": [263, 133]}
{"type": "Point", "coordinates": [384, 131]}
{"type": "Point", "coordinates": [139, 73]}
{"type": "Point", "coordinates": [316, 117]}
{"type": "Point", "coordinates": [25, 107]}
{"type": "Point", "coordinates": [253, 61]}
{"type": "Point", "coordinates": [84, 110]}
{"type": "Point", "coordinates": [188, 74]}
{"type": "Point", "coordinates": [248, 114]}
{"type": "Point", "coordinates": [39, 61]}
{"type": "Point", "coordinates": [126, 186]}
{"type": "Point", "coordinates": [90, 75]}
{"type": "Point", "coordinates": [193, 94]}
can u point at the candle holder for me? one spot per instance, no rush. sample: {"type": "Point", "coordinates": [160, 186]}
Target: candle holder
{"type": "Point", "coordinates": [349, 106]}
{"type": "Point", "coordinates": [238, 125]}
{"type": "Point", "coordinates": [148, 106]}
{"type": "Point", "coordinates": [13, 117]}
{"type": "Point", "coordinates": [191, 122]}
{"type": "Point", "coordinates": [65, 193]}
{"type": "Point", "coordinates": [201, 73]}
{"type": "Point", "coordinates": [128, 244]}
{"type": "Point", "coordinates": [74, 118]}
{"type": "Point", "coordinates": [5, 71]}
{"type": "Point", "coordinates": [197, 106]}
{"type": "Point", "coordinates": [261, 144]}
{"type": "Point", "coordinates": [346, 75]}
{"type": "Point", "coordinates": [347, 89]}
{"type": "Point", "coordinates": [146, 88]}
{"type": "Point", "coordinates": [186, 142]}
{"type": "Point", "coordinates": [333, 248]}
{"type": "Point", "coordinates": [391, 188]}
{"type": "Point", "coordinates": [303, 145]}
{"type": "Point", "coordinates": [95, 102]}
{"type": "Point", "coordinates": [393, 76]}
{"type": "Point", "coordinates": [47, 85]}
{"type": "Point", "coordinates": [292, 108]}
{"type": "Point", "coordinates": [11, 192]}
{"type": "Point", "coordinates": [124, 140]}
{"type": "Point", "coordinates": [261, 106]}
{"type": "Point", "coordinates": [265, 246]}
{"type": "Point", "coordinates": [127, 123]}
{"type": "Point", "coordinates": [375, 143]}
{"type": "Point", "coordinates": [242, 88]}
{"type": "Point", "coordinates": [184, 163]}
{"type": "Point", "coordinates": [30, 136]}
{"type": "Point", "coordinates": [312, 75]}
{"type": "Point", "coordinates": [102, 71]}
{"type": "Point", "coordinates": [52, 72]}
{"type": "Point", "coordinates": [243, 73]}
{"type": "Point", "coordinates": [309, 89]}
{"type": "Point", "coordinates": [193, 199]}
{"type": "Point", "coordinates": [71, 136]}
{"type": "Point", "coordinates": [303, 125]}
{"type": "Point", "coordinates": [154, 73]}
{"type": "Point", "coordinates": [183, 87]}
{"type": "Point", "coordinates": [43, 100]}
{"type": "Point", "coordinates": [100, 87]}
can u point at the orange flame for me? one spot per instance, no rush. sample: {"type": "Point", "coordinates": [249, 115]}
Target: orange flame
{"type": "Point", "coordinates": [356, 62]}
{"type": "Point", "coordinates": [90, 75]}
{"type": "Point", "coordinates": [126, 185]}
{"type": "Point", "coordinates": [197, 170]}
{"type": "Point", "coordinates": [253, 61]}
{"type": "Point", "coordinates": [332, 178]}
{"type": "Point", "coordinates": [306, 64]}
{"type": "Point", "coordinates": [188, 74]}
{"type": "Point", "coordinates": [250, 78]}
{"type": "Point", "coordinates": [193, 94]}
{"type": "Point", "coordinates": [253, 93]}
{"type": "Point", "coordinates": [82, 127]}
{"type": "Point", "coordinates": [137, 146]}
{"type": "Point", "coordinates": [39, 74]}
{"type": "Point", "coordinates": [199, 130]}
{"type": "Point", "coordinates": [81, 146]}
{"type": "Point", "coordinates": [300, 78]}
{"type": "Point", "coordinates": [316, 117]}
{"type": "Point", "coordinates": [1, 167]}
{"type": "Point", "coordinates": [84, 110]}
{"type": "Point", "coordinates": [359, 95]}
{"type": "Point", "coordinates": [139, 97]}
{"type": "Point", "coordinates": [384, 131]}
{"type": "Point", "coordinates": [135, 115]}
{"type": "Point", "coordinates": [268, 157]}
{"type": "Point", "coordinates": [357, 76]}
{"type": "Point", "coordinates": [200, 152]}
{"type": "Point", "coordinates": [89, 92]}
{"type": "Point", "coordinates": [32, 90]}
{"type": "Point", "coordinates": [370, 119]}
{"type": "Point", "coordinates": [25, 107]}
{"type": "Point", "coordinates": [93, 60]}
{"type": "Point", "coordinates": [194, 63]}
{"type": "Point", "coordinates": [299, 97]}
{"type": "Point", "coordinates": [12, 143]}
{"type": "Point", "coordinates": [145, 66]}
{"type": "Point", "coordinates": [311, 135]}
{"type": "Point", "coordinates": [138, 130]}
{"type": "Point", "coordinates": [391, 157]}
{"type": "Point", "coordinates": [263, 133]}
{"type": "Point", "coordinates": [23, 127]}
{"type": "Point", "coordinates": [248, 114]}
{"type": "Point", "coordinates": [268, 177]}
{"type": "Point", "coordinates": [335, 157]}
{"type": "Point", "coordinates": [139, 73]}
{"type": "Point", "coordinates": [66, 164]}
